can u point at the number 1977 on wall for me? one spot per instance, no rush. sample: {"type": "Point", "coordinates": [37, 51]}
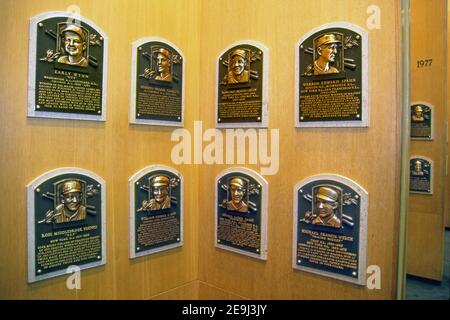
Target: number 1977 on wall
{"type": "Point", "coordinates": [424, 63]}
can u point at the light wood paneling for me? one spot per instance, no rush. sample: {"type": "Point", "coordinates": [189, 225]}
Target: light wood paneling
{"type": "Point", "coordinates": [210, 292]}
{"type": "Point", "coordinates": [188, 291]}
{"type": "Point", "coordinates": [425, 238]}
{"type": "Point", "coordinates": [447, 185]}
{"type": "Point", "coordinates": [114, 150]}
{"type": "Point", "coordinates": [421, 226]}
{"type": "Point", "coordinates": [370, 156]}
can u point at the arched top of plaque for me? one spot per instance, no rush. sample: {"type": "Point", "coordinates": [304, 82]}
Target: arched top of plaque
{"type": "Point", "coordinates": [68, 58]}
{"type": "Point", "coordinates": [252, 173]}
{"type": "Point", "coordinates": [421, 175]}
{"type": "Point", "coordinates": [242, 75]}
{"type": "Point", "coordinates": [338, 178]}
{"type": "Point", "coordinates": [135, 177]}
{"type": "Point", "coordinates": [422, 120]}
{"type": "Point", "coordinates": [329, 207]}
{"type": "Point", "coordinates": [330, 60]}
{"type": "Point", "coordinates": [422, 158]}
{"type": "Point", "coordinates": [65, 170]}
{"type": "Point", "coordinates": [157, 83]}
{"type": "Point", "coordinates": [168, 207]}
{"type": "Point", "coordinates": [241, 196]}
{"type": "Point", "coordinates": [61, 202]}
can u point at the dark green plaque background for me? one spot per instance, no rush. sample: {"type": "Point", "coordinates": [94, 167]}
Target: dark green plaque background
{"type": "Point", "coordinates": [420, 184]}
{"type": "Point", "coordinates": [175, 86]}
{"type": "Point", "coordinates": [323, 107]}
{"type": "Point", "coordinates": [224, 113]}
{"type": "Point", "coordinates": [43, 204]}
{"type": "Point", "coordinates": [69, 73]}
{"type": "Point", "coordinates": [256, 215]}
{"type": "Point", "coordinates": [141, 195]}
{"type": "Point", "coordinates": [422, 129]}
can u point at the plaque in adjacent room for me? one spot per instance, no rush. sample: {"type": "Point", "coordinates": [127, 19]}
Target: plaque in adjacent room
{"type": "Point", "coordinates": [421, 121]}
{"type": "Point", "coordinates": [66, 222]}
{"type": "Point", "coordinates": [331, 87]}
{"type": "Point", "coordinates": [67, 68]}
{"type": "Point", "coordinates": [157, 86]}
{"type": "Point", "coordinates": [420, 175]}
{"type": "Point", "coordinates": [330, 237]}
{"type": "Point", "coordinates": [156, 210]}
{"type": "Point", "coordinates": [242, 86]}
{"type": "Point", "coordinates": [241, 212]}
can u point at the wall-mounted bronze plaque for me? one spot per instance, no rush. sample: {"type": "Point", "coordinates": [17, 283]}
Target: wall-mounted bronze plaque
{"type": "Point", "coordinates": [421, 175]}
{"type": "Point", "coordinates": [330, 236]}
{"type": "Point", "coordinates": [241, 212]}
{"type": "Point", "coordinates": [67, 61]}
{"type": "Point", "coordinates": [157, 86]}
{"type": "Point", "coordinates": [331, 84]}
{"type": "Point", "coordinates": [242, 86]}
{"type": "Point", "coordinates": [156, 211]}
{"type": "Point", "coordinates": [66, 222]}
{"type": "Point", "coordinates": [422, 121]}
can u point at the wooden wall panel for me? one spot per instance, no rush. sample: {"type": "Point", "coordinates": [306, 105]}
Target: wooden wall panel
{"type": "Point", "coordinates": [114, 149]}
{"type": "Point", "coordinates": [188, 291]}
{"type": "Point", "coordinates": [447, 185]}
{"type": "Point", "coordinates": [370, 156]}
{"type": "Point", "coordinates": [210, 292]}
{"type": "Point", "coordinates": [421, 227]}
{"type": "Point", "coordinates": [425, 239]}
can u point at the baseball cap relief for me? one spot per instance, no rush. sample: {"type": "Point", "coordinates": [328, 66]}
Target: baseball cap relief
{"type": "Point", "coordinates": [71, 186]}
{"type": "Point", "coordinates": [238, 182]}
{"type": "Point", "coordinates": [74, 29]}
{"type": "Point", "coordinates": [327, 39]}
{"type": "Point", "coordinates": [162, 51]}
{"type": "Point", "coordinates": [239, 52]}
{"type": "Point", "coordinates": [160, 181]}
{"type": "Point", "coordinates": [327, 194]}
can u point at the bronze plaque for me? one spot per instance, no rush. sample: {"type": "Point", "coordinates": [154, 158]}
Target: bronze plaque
{"type": "Point", "coordinates": [332, 81]}
{"type": "Point", "coordinates": [157, 83]}
{"type": "Point", "coordinates": [242, 86]}
{"type": "Point", "coordinates": [241, 213]}
{"type": "Point", "coordinates": [67, 61]}
{"type": "Point", "coordinates": [331, 228]}
{"type": "Point", "coordinates": [421, 121]}
{"type": "Point", "coordinates": [421, 175]}
{"type": "Point", "coordinates": [66, 222]}
{"type": "Point", "coordinates": [156, 211]}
